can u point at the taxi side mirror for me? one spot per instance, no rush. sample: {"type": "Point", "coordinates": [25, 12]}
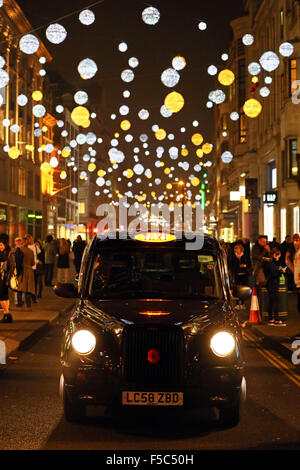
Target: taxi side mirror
{"type": "Point", "coordinates": [66, 290]}
{"type": "Point", "coordinates": [242, 292]}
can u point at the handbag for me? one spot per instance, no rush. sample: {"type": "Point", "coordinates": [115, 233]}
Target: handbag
{"type": "Point", "coordinates": [14, 281]}
{"type": "Point", "coordinates": [261, 279]}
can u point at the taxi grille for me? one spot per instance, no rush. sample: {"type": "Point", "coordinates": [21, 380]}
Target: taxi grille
{"type": "Point", "coordinates": [168, 341]}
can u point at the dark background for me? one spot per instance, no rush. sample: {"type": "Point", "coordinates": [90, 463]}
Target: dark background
{"type": "Point", "coordinates": [176, 33]}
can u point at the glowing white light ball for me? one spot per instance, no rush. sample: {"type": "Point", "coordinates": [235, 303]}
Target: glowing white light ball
{"type": "Point", "coordinates": [29, 44]}
{"type": "Point", "coordinates": [87, 17]}
{"type": "Point", "coordinates": [170, 77]}
{"type": "Point", "coordinates": [151, 16]}
{"type": "Point", "coordinates": [127, 75]}
{"type": "Point", "coordinates": [87, 68]}
{"type": "Point", "coordinates": [269, 61]}
{"type": "Point", "coordinates": [56, 33]}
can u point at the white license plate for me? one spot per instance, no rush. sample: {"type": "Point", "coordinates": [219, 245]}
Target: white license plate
{"type": "Point", "coordinates": [152, 398]}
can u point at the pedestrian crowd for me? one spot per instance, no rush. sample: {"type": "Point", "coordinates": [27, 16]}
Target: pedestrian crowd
{"type": "Point", "coordinates": [29, 265]}
{"type": "Point", "coordinates": [263, 265]}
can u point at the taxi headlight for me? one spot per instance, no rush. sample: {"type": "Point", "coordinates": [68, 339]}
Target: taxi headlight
{"type": "Point", "coordinates": [222, 343]}
{"type": "Point", "coordinates": [83, 341]}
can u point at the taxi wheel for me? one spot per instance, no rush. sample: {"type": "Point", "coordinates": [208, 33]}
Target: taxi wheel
{"type": "Point", "coordinates": [230, 415]}
{"type": "Point", "coordinates": [74, 409]}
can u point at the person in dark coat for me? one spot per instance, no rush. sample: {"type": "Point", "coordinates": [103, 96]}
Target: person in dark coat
{"type": "Point", "coordinates": [63, 262]}
{"type": "Point", "coordinates": [239, 268]}
{"type": "Point", "coordinates": [273, 271]}
{"type": "Point", "coordinates": [78, 249]}
{"type": "Point", "coordinates": [7, 266]}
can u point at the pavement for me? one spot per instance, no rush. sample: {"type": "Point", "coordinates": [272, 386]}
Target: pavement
{"type": "Point", "coordinates": [279, 338]}
{"type": "Point", "coordinates": [28, 326]}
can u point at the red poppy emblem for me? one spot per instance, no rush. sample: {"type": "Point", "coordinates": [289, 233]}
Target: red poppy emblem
{"type": "Point", "coordinates": [153, 356]}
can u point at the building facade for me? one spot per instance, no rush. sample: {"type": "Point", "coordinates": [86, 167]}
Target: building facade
{"type": "Point", "coordinates": [264, 148]}
{"type": "Point", "coordinates": [21, 201]}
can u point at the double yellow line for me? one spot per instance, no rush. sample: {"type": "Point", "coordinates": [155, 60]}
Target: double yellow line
{"type": "Point", "coordinates": [284, 366]}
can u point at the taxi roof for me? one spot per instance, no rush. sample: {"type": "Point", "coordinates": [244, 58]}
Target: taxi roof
{"type": "Point", "coordinates": [122, 240]}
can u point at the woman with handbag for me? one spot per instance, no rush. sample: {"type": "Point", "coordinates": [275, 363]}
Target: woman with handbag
{"type": "Point", "coordinates": [7, 267]}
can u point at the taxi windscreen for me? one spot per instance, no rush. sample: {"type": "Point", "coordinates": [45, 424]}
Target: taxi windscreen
{"type": "Point", "coordinates": [166, 273]}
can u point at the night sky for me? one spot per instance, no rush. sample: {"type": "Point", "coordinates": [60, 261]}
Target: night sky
{"type": "Point", "coordinates": [176, 33]}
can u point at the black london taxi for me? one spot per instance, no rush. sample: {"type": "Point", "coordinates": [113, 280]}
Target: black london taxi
{"type": "Point", "coordinates": [155, 326]}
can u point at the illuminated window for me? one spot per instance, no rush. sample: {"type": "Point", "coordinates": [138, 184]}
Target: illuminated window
{"type": "Point", "coordinates": [281, 24]}
{"type": "Point", "coordinates": [22, 182]}
{"type": "Point", "coordinates": [81, 207]}
{"type": "Point", "coordinates": [292, 75]}
{"type": "Point", "coordinates": [293, 150]}
{"type": "Point", "coordinates": [243, 129]}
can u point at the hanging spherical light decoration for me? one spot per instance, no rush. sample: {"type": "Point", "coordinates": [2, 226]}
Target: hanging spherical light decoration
{"type": "Point", "coordinates": [165, 112]}
{"type": "Point", "coordinates": [87, 68]}
{"type": "Point", "coordinates": [212, 70]}
{"type": "Point", "coordinates": [252, 108]}
{"type": "Point", "coordinates": [264, 92]}
{"type": "Point", "coordinates": [122, 47]}
{"type": "Point", "coordinates": [254, 68]}
{"type": "Point", "coordinates": [178, 62]}
{"type": "Point", "coordinates": [234, 116]}
{"type": "Point", "coordinates": [14, 153]}
{"type": "Point", "coordinates": [133, 62]}
{"type": "Point", "coordinates": [151, 16]}
{"type": "Point", "coordinates": [86, 17]}
{"type": "Point", "coordinates": [226, 157]}
{"type": "Point", "coordinates": [286, 49]}
{"type": "Point", "coordinates": [143, 114]}
{"type": "Point", "coordinates": [269, 61]}
{"type": "Point", "coordinates": [29, 44]}
{"type": "Point", "coordinates": [217, 96]}
{"type": "Point", "coordinates": [248, 39]}
{"type": "Point", "coordinates": [56, 33]}
{"type": "Point", "coordinates": [202, 26]}
{"type": "Point", "coordinates": [160, 134]}
{"type": "Point", "coordinates": [80, 115]}
{"type": "Point", "coordinates": [226, 77]}
{"type": "Point", "coordinates": [39, 110]}
{"type": "Point", "coordinates": [22, 100]}
{"type": "Point", "coordinates": [37, 95]}
{"type": "Point", "coordinates": [127, 75]}
{"type": "Point", "coordinates": [197, 139]}
{"type": "Point", "coordinates": [125, 125]}
{"type": "Point", "coordinates": [207, 148]}
{"type": "Point", "coordinates": [81, 97]}
{"type": "Point", "coordinates": [4, 78]}
{"type": "Point", "coordinates": [170, 77]}
{"type": "Point", "coordinates": [174, 102]}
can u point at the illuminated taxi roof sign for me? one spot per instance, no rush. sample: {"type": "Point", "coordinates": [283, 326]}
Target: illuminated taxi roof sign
{"type": "Point", "coordinates": [155, 237]}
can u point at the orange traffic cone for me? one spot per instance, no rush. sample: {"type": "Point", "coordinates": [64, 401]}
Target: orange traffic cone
{"type": "Point", "coordinates": [255, 316]}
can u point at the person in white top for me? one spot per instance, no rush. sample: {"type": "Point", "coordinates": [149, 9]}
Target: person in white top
{"type": "Point", "coordinates": [36, 251]}
{"type": "Point", "coordinates": [293, 263]}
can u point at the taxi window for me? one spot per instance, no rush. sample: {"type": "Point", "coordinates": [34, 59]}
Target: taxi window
{"type": "Point", "coordinates": [154, 273]}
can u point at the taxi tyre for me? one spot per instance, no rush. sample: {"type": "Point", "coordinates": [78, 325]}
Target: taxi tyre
{"type": "Point", "coordinates": [74, 409]}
